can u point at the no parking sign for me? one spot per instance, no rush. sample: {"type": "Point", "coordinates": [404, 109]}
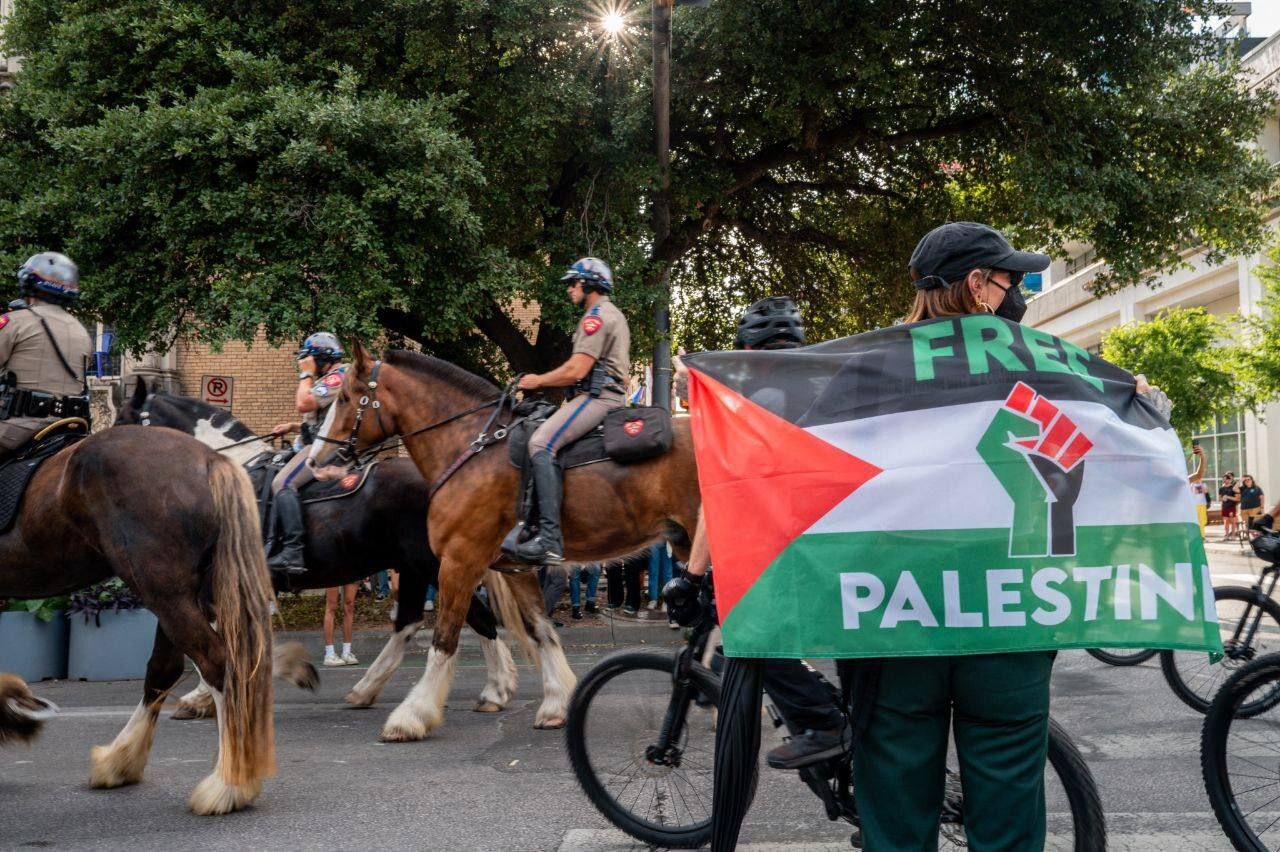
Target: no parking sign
{"type": "Point", "coordinates": [217, 390]}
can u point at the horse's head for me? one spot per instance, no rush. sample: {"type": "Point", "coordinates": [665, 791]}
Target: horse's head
{"type": "Point", "coordinates": [131, 413]}
{"type": "Point", "coordinates": [362, 415]}
{"type": "Point", "coordinates": [211, 425]}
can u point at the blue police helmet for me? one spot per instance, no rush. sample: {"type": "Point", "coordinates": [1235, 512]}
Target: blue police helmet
{"type": "Point", "coordinates": [49, 275]}
{"type": "Point", "coordinates": [323, 345]}
{"type": "Point", "coordinates": [591, 270]}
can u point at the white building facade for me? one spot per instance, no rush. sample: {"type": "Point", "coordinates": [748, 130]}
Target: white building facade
{"type": "Point", "coordinates": [1067, 309]}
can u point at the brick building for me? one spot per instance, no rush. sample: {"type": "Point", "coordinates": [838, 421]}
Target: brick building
{"type": "Point", "coordinates": [259, 380]}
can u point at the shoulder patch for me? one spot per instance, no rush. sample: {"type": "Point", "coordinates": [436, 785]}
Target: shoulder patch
{"type": "Point", "coordinates": [333, 379]}
{"type": "Point", "coordinates": [4, 320]}
{"type": "Point", "coordinates": [591, 324]}
{"type": "Point", "coordinates": [321, 390]}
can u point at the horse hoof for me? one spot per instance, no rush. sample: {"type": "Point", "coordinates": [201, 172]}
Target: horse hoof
{"type": "Point", "coordinates": [488, 707]}
{"type": "Point", "coordinates": [213, 796]}
{"type": "Point", "coordinates": [402, 734]}
{"type": "Point", "coordinates": [550, 723]}
{"type": "Point", "coordinates": [188, 711]}
{"type": "Point", "coordinates": [109, 769]}
{"type": "Point", "coordinates": [310, 679]}
{"type": "Point", "coordinates": [357, 700]}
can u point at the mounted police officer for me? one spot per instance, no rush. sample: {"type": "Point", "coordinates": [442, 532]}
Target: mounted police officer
{"type": "Point", "coordinates": [597, 372]}
{"type": "Point", "coordinates": [43, 352]}
{"type": "Point", "coordinates": [318, 384]}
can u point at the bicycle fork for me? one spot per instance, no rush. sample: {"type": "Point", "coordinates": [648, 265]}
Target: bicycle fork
{"type": "Point", "coordinates": [1244, 649]}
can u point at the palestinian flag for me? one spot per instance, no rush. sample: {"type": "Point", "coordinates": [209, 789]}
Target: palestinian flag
{"type": "Point", "coordinates": [961, 485]}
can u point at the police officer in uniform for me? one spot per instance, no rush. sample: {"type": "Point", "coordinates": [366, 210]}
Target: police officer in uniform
{"type": "Point", "coordinates": [799, 694]}
{"type": "Point", "coordinates": [597, 372]}
{"type": "Point", "coordinates": [318, 384]}
{"type": "Point", "coordinates": [43, 350]}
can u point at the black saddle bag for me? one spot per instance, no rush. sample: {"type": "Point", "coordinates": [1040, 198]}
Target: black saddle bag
{"type": "Point", "coordinates": [637, 433]}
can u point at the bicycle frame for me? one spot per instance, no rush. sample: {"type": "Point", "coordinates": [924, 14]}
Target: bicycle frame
{"type": "Point", "coordinates": [1234, 647]}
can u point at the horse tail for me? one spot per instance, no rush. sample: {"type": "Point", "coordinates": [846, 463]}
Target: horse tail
{"type": "Point", "coordinates": [507, 606]}
{"type": "Point", "coordinates": [242, 603]}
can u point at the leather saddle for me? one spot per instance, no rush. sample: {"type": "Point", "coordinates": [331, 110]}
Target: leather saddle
{"type": "Point", "coordinates": [16, 471]}
{"type": "Point", "coordinates": [626, 435]}
{"type": "Point", "coordinates": [263, 470]}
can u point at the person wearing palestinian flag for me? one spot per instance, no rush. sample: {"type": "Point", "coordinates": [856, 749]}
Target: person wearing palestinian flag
{"type": "Point", "coordinates": [319, 381]}
{"type": "Point", "coordinates": [1056, 515]}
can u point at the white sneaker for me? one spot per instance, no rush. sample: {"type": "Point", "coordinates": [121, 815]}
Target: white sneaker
{"type": "Point", "coordinates": [395, 610]}
{"type": "Point", "coordinates": [332, 659]}
{"type": "Point", "coordinates": [429, 606]}
{"type": "Point", "coordinates": [349, 659]}
{"type": "Point", "coordinates": [652, 605]}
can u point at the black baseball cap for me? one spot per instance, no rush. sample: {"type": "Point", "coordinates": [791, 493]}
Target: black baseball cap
{"type": "Point", "coordinates": [950, 251]}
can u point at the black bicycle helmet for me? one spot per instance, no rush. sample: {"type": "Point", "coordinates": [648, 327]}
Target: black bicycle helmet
{"type": "Point", "coordinates": [770, 322]}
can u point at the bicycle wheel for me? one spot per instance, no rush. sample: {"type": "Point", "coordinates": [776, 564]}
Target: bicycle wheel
{"type": "Point", "coordinates": [1240, 758]}
{"type": "Point", "coordinates": [1122, 656]}
{"type": "Point", "coordinates": [1195, 679]}
{"type": "Point", "coordinates": [617, 716]}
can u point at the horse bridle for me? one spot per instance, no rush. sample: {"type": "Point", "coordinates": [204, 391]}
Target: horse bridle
{"type": "Point", "coordinates": [349, 454]}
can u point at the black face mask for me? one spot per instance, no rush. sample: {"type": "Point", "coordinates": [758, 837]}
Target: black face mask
{"type": "Point", "coordinates": [1012, 306]}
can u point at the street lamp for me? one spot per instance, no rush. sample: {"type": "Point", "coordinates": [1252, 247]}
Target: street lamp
{"type": "Point", "coordinates": [660, 11]}
{"type": "Point", "coordinates": [613, 20]}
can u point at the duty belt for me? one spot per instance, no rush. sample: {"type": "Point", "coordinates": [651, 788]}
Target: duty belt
{"type": "Point", "coordinates": [597, 381]}
{"type": "Point", "coordinates": [19, 402]}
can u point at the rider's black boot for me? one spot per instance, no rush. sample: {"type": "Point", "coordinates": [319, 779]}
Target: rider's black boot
{"type": "Point", "coordinates": [528, 527]}
{"type": "Point", "coordinates": [293, 534]}
{"type": "Point", "coordinates": [547, 548]}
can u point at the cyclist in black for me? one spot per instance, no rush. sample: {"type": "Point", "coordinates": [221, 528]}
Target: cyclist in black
{"type": "Point", "coordinates": [797, 691]}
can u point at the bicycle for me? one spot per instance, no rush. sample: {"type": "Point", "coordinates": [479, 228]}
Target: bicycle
{"type": "Point", "coordinates": [1238, 755]}
{"type": "Point", "coordinates": [643, 754]}
{"type": "Point", "coordinates": [1193, 675]}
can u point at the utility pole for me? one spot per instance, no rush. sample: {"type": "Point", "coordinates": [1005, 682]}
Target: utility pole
{"type": "Point", "coordinates": [661, 12]}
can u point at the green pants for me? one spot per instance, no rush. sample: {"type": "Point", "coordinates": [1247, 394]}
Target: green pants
{"type": "Point", "coordinates": [999, 707]}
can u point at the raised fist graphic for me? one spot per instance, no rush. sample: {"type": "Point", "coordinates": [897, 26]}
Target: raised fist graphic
{"type": "Point", "coordinates": [1037, 454]}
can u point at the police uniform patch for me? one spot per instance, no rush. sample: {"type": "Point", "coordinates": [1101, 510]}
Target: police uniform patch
{"type": "Point", "coordinates": [633, 427]}
{"type": "Point", "coordinates": [321, 390]}
{"type": "Point", "coordinates": [4, 320]}
{"type": "Point", "coordinates": [590, 325]}
{"type": "Point", "coordinates": [349, 481]}
{"type": "Point", "coordinates": [333, 379]}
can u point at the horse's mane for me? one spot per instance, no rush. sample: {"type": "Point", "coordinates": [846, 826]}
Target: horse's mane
{"type": "Point", "coordinates": [435, 368]}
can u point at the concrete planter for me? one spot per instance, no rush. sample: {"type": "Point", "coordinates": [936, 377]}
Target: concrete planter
{"type": "Point", "coordinates": [33, 649]}
{"type": "Point", "coordinates": [117, 647]}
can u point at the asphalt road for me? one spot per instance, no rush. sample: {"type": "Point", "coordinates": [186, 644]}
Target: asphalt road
{"type": "Point", "coordinates": [492, 782]}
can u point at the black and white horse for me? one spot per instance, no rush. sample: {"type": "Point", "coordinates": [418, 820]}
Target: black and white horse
{"type": "Point", "coordinates": [381, 526]}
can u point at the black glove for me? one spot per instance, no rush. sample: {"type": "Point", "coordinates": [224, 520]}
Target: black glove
{"type": "Point", "coordinates": [1262, 522]}
{"type": "Point", "coordinates": [683, 596]}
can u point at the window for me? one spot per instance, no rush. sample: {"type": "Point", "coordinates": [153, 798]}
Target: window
{"type": "Point", "coordinates": [105, 361]}
{"type": "Point", "coordinates": [1224, 450]}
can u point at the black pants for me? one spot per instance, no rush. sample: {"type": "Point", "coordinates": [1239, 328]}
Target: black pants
{"type": "Point", "coordinates": [624, 580]}
{"type": "Point", "coordinates": [802, 699]}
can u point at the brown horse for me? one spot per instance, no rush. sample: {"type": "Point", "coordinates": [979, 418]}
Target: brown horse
{"type": "Point", "coordinates": [21, 713]}
{"type": "Point", "coordinates": [178, 523]}
{"type": "Point", "coordinates": [610, 510]}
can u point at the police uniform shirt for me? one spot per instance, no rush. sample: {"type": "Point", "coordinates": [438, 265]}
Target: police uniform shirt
{"type": "Point", "coordinates": [26, 351]}
{"type": "Point", "coordinates": [324, 391]}
{"type": "Point", "coordinates": [604, 335]}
